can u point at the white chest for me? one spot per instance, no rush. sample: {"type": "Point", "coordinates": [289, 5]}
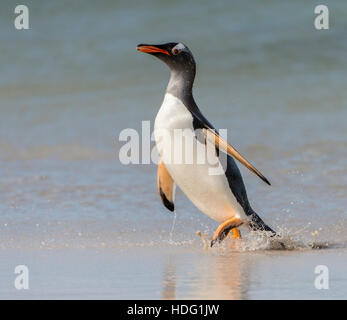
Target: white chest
{"type": "Point", "coordinates": [179, 150]}
{"type": "Point", "coordinates": [173, 114]}
{"type": "Point", "coordinates": [172, 118]}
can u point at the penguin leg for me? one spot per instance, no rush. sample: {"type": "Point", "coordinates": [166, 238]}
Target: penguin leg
{"type": "Point", "coordinates": [236, 233]}
{"type": "Point", "coordinates": [224, 228]}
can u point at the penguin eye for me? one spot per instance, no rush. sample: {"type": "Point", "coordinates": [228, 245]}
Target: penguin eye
{"type": "Point", "coordinates": [175, 51]}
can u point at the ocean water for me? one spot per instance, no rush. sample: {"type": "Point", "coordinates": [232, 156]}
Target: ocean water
{"type": "Point", "coordinates": [87, 226]}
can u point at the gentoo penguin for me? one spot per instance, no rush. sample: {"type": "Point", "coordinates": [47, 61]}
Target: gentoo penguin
{"type": "Point", "coordinates": [223, 196]}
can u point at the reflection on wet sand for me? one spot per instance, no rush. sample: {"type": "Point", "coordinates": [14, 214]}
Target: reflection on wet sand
{"type": "Point", "coordinates": [209, 276]}
{"type": "Point", "coordinates": [169, 280]}
{"type": "Point", "coordinates": [223, 277]}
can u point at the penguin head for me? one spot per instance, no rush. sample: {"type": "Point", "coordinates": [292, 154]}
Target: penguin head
{"type": "Point", "coordinates": [176, 55]}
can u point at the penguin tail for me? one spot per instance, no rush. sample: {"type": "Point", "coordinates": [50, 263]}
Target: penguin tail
{"type": "Point", "coordinates": [257, 224]}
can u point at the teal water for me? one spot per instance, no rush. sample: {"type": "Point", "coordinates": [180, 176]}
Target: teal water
{"type": "Point", "coordinates": [74, 81]}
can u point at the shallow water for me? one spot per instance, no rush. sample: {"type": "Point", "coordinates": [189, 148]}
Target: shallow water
{"type": "Point", "coordinates": [86, 225]}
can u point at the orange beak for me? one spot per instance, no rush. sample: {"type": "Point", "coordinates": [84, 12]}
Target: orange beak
{"type": "Point", "coordinates": [151, 49]}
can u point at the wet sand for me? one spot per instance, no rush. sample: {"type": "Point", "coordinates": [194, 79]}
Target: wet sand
{"type": "Point", "coordinates": [172, 273]}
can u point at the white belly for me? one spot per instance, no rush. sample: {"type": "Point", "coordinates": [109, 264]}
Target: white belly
{"type": "Point", "coordinates": [192, 167]}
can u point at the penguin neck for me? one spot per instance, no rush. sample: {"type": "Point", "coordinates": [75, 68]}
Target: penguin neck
{"type": "Point", "coordinates": [181, 85]}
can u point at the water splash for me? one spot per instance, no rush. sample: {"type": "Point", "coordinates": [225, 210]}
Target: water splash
{"type": "Point", "coordinates": [287, 240]}
{"type": "Point", "coordinates": [172, 228]}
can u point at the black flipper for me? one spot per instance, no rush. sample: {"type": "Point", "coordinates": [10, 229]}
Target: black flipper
{"type": "Point", "coordinates": [166, 187]}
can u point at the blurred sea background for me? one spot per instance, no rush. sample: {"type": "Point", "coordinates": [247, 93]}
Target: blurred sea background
{"type": "Point", "coordinates": [89, 227]}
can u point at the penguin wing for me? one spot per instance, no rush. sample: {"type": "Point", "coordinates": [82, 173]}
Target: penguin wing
{"type": "Point", "coordinates": [166, 187]}
{"type": "Point", "coordinates": [199, 121]}
{"type": "Point", "coordinates": [223, 145]}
